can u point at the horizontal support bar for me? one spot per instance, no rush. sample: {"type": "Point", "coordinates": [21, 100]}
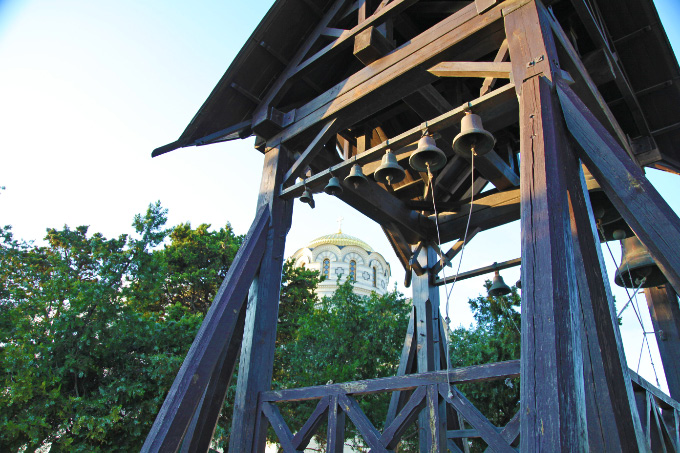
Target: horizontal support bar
{"type": "Point", "coordinates": [481, 271]}
{"type": "Point", "coordinates": [478, 373]}
{"type": "Point", "coordinates": [482, 69]}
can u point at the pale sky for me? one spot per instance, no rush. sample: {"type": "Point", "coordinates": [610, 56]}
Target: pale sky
{"type": "Point", "coordinates": [89, 88]}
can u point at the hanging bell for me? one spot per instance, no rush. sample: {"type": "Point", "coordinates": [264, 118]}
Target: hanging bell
{"type": "Point", "coordinates": [473, 138]}
{"type": "Point", "coordinates": [427, 155]}
{"type": "Point", "coordinates": [389, 172]}
{"type": "Point", "coordinates": [637, 264]}
{"type": "Point", "coordinates": [499, 288]}
{"type": "Point", "coordinates": [356, 176]}
{"type": "Point", "coordinates": [306, 197]}
{"type": "Point", "coordinates": [333, 187]}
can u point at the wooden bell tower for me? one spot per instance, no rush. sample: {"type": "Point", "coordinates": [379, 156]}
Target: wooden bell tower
{"type": "Point", "coordinates": [580, 96]}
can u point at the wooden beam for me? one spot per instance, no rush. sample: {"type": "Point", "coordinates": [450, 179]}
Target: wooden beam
{"type": "Point", "coordinates": [394, 430]}
{"type": "Point", "coordinates": [477, 373]}
{"type": "Point", "coordinates": [457, 247]}
{"type": "Point", "coordinates": [613, 421]}
{"type": "Point", "coordinates": [213, 336]}
{"type": "Point", "coordinates": [552, 400]}
{"type": "Point", "coordinates": [487, 106]}
{"type": "Point", "coordinates": [480, 271]}
{"type": "Point", "coordinates": [365, 91]}
{"type": "Point", "coordinates": [327, 132]}
{"type": "Point", "coordinates": [335, 434]}
{"type": "Point", "coordinates": [406, 366]}
{"type": "Point", "coordinates": [399, 244]}
{"type": "Point", "coordinates": [498, 70]}
{"type": "Point", "coordinates": [370, 45]}
{"type": "Point", "coordinates": [308, 430]}
{"type": "Point", "coordinates": [501, 55]}
{"type": "Point", "coordinates": [257, 353]}
{"type": "Point", "coordinates": [283, 433]}
{"type": "Point", "coordinates": [626, 186]}
{"type": "Point", "coordinates": [665, 314]}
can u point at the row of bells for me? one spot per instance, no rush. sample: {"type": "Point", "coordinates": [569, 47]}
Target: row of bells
{"type": "Point", "coordinates": [427, 158]}
{"type": "Point", "coordinates": [637, 270]}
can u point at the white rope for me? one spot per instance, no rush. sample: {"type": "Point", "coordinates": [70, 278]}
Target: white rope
{"type": "Point", "coordinates": [462, 251]}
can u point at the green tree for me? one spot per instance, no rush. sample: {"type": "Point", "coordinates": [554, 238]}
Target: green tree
{"type": "Point", "coordinates": [494, 337]}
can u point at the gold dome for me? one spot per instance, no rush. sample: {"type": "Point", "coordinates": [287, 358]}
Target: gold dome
{"type": "Point", "coordinates": [339, 239]}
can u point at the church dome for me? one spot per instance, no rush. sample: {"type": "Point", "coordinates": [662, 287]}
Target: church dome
{"type": "Point", "coordinates": [340, 239]}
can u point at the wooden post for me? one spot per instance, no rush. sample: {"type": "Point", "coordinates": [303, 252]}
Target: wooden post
{"type": "Point", "coordinates": [553, 411]}
{"type": "Point", "coordinates": [613, 421]}
{"type": "Point", "coordinates": [427, 322]}
{"type": "Point", "coordinates": [665, 313]}
{"type": "Point", "coordinates": [257, 352]}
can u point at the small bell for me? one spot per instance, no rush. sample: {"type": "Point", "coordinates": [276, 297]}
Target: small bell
{"type": "Point", "coordinates": [499, 288]}
{"type": "Point", "coordinates": [473, 138]}
{"type": "Point", "coordinates": [637, 264]}
{"type": "Point", "coordinates": [389, 172]}
{"type": "Point", "coordinates": [356, 176]}
{"type": "Point", "coordinates": [427, 155]}
{"type": "Point", "coordinates": [333, 187]}
{"type": "Point", "coordinates": [306, 197]}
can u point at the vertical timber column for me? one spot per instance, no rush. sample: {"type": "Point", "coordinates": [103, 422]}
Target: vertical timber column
{"type": "Point", "coordinates": [257, 350]}
{"type": "Point", "coordinates": [553, 410]}
{"type": "Point", "coordinates": [665, 312]}
{"type": "Point", "coordinates": [427, 321]}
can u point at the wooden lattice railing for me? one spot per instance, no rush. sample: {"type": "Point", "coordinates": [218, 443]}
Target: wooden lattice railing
{"type": "Point", "coordinates": [659, 414]}
{"type": "Point", "coordinates": [430, 396]}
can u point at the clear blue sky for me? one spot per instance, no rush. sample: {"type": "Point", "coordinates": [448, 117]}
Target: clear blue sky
{"type": "Point", "coordinates": [89, 88]}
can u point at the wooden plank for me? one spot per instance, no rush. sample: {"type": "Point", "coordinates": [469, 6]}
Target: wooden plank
{"type": "Point", "coordinates": [585, 86]}
{"type": "Point", "coordinates": [613, 422]}
{"type": "Point", "coordinates": [335, 436]}
{"type": "Point", "coordinates": [475, 418]}
{"type": "Point", "coordinates": [399, 244]}
{"type": "Point", "coordinates": [435, 413]}
{"type": "Point", "coordinates": [501, 55]}
{"type": "Point", "coordinates": [200, 433]}
{"type": "Point", "coordinates": [308, 430]}
{"type": "Point", "coordinates": [257, 352]}
{"type": "Point", "coordinates": [391, 436]}
{"type": "Point", "coordinates": [280, 427]}
{"type": "Point", "coordinates": [215, 332]}
{"type": "Point", "coordinates": [499, 70]}
{"type": "Point", "coordinates": [362, 423]}
{"type": "Point", "coordinates": [477, 373]}
{"type": "Point", "coordinates": [638, 202]}
{"type": "Point", "coordinates": [483, 5]}
{"type": "Point", "coordinates": [486, 106]}
{"type": "Point", "coordinates": [665, 313]}
{"type": "Point", "coordinates": [370, 45]}
{"type": "Point", "coordinates": [367, 89]}
{"type": "Point", "coordinates": [283, 82]}
{"type": "Point", "coordinates": [327, 132]}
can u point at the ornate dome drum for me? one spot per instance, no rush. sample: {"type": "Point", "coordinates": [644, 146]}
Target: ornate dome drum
{"type": "Point", "coordinates": [340, 256]}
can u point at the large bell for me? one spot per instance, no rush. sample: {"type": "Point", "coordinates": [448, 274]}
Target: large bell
{"type": "Point", "coordinates": [498, 287]}
{"type": "Point", "coordinates": [389, 172]}
{"type": "Point", "coordinates": [427, 156]}
{"type": "Point", "coordinates": [356, 176]}
{"type": "Point", "coordinates": [473, 138]}
{"type": "Point", "coordinates": [333, 187]}
{"type": "Point", "coordinates": [636, 264]}
{"type": "Point", "coordinates": [306, 197]}
{"type": "Point", "coordinates": [610, 225]}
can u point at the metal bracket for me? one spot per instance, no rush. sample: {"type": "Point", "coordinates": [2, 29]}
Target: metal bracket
{"type": "Point", "coordinates": [535, 60]}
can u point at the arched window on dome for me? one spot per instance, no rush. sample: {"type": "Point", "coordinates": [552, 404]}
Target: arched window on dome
{"type": "Point", "coordinates": [375, 278]}
{"type": "Point", "coordinates": [326, 269]}
{"type": "Point", "coordinates": [353, 270]}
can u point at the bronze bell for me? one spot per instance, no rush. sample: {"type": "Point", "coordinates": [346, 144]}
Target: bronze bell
{"type": "Point", "coordinates": [356, 176]}
{"type": "Point", "coordinates": [389, 172]}
{"type": "Point", "coordinates": [636, 264]}
{"type": "Point", "coordinates": [306, 197]}
{"type": "Point", "coordinates": [473, 138]}
{"type": "Point", "coordinates": [333, 187]}
{"type": "Point", "coordinates": [610, 225]}
{"type": "Point", "coordinates": [499, 288]}
{"type": "Point", "coordinates": [427, 155]}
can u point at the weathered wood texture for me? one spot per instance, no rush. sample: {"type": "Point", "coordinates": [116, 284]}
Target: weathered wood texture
{"type": "Point", "coordinates": [257, 353]}
{"type": "Point", "coordinates": [613, 422]}
{"type": "Point", "coordinates": [638, 202]}
{"type": "Point", "coordinates": [498, 70]}
{"type": "Point", "coordinates": [665, 313]}
{"type": "Point", "coordinates": [216, 333]}
{"type": "Point", "coordinates": [552, 396]}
